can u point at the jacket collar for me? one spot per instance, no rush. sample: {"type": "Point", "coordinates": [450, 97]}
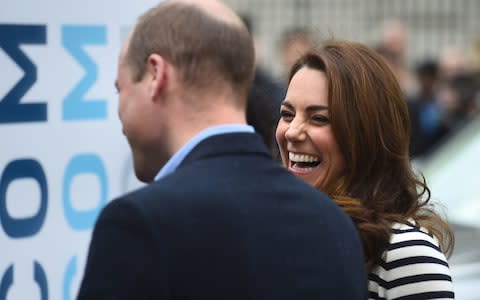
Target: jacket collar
{"type": "Point", "coordinates": [230, 143]}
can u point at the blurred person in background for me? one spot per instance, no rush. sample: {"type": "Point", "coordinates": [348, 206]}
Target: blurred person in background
{"type": "Point", "coordinates": [446, 100]}
{"type": "Point", "coordinates": [425, 116]}
{"type": "Point", "coordinates": [294, 43]}
{"type": "Point", "coordinates": [458, 99]}
{"type": "Point", "coordinates": [475, 52]}
{"type": "Point", "coordinates": [263, 108]}
{"type": "Point", "coordinates": [457, 91]}
{"type": "Point", "coordinates": [344, 129]}
{"type": "Point", "coordinates": [264, 98]}
{"type": "Point", "coordinates": [219, 218]}
{"type": "Point", "coordinates": [452, 62]}
{"type": "Point", "coordinates": [393, 47]}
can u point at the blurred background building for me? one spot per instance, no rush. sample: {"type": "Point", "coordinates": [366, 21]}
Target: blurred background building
{"type": "Point", "coordinates": [431, 26]}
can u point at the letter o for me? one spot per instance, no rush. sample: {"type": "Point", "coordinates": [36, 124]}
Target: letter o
{"type": "Point", "coordinates": [23, 227]}
{"type": "Point", "coordinates": [83, 164]}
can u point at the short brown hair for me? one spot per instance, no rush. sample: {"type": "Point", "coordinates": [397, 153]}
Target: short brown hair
{"type": "Point", "coordinates": [370, 121]}
{"type": "Point", "coordinates": [204, 49]}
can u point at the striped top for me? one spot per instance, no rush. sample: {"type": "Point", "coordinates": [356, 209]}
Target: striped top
{"type": "Point", "coordinates": [413, 267]}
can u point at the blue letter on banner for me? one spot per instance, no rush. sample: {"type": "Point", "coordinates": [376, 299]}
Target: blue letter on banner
{"type": "Point", "coordinates": [23, 168]}
{"type": "Point", "coordinates": [75, 107]}
{"type": "Point", "coordinates": [11, 37]}
{"type": "Point", "coordinates": [38, 275]}
{"type": "Point", "coordinates": [81, 164]}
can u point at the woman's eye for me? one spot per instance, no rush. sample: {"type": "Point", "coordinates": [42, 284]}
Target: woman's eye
{"type": "Point", "coordinates": [286, 115]}
{"type": "Point", "coordinates": [321, 119]}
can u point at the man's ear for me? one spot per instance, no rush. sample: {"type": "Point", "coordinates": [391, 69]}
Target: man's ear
{"type": "Point", "coordinates": [157, 69]}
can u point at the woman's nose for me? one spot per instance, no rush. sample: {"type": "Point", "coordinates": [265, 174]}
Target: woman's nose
{"type": "Point", "coordinates": [295, 132]}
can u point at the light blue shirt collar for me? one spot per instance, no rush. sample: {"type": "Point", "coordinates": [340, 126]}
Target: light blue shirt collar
{"type": "Point", "coordinates": [173, 163]}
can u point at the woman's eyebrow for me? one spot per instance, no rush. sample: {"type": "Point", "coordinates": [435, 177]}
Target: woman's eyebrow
{"type": "Point", "coordinates": [314, 108]}
{"type": "Point", "coordinates": [310, 108]}
{"type": "Point", "coordinates": [287, 104]}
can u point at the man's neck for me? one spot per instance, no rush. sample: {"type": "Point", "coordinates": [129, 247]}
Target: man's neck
{"type": "Point", "coordinates": [185, 128]}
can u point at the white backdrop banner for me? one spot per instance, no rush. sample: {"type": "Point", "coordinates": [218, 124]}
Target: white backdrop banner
{"type": "Point", "coordinates": [62, 154]}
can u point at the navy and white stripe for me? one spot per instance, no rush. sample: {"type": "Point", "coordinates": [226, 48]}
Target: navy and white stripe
{"type": "Point", "coordinates": [413, 268]}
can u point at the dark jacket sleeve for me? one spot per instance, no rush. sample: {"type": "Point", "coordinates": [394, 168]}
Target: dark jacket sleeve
{"type": "Point", "coordinates": [123, 257]}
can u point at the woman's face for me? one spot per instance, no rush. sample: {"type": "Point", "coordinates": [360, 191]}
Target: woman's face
{"type": "Point", "coordinates": [304, 135]}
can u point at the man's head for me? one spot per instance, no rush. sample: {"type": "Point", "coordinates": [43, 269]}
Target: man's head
{"type": "Point", "coordinates": [206, 41]}
{"type": "Point", "coordinates": [186, 66]}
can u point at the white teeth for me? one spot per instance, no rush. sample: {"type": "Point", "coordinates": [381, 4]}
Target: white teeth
{"type": "Point", "coordinates": [302, 157]}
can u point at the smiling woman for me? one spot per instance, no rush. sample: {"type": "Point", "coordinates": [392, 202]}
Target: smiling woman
{"type": "Point", "coordinates": [305, 138]}
{"type": "Point", "coordinates": [344, 129]}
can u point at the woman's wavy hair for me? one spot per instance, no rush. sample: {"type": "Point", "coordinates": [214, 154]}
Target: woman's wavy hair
{"type": "Point", "coordinates": [370, 121]}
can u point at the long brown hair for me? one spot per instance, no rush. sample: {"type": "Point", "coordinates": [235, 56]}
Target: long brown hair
{"type": "Point", "coordinates": [370, 121]}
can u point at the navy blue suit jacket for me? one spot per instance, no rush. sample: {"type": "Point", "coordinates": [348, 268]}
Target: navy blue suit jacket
{"type": "Point", "coordinates": [229, 223]}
